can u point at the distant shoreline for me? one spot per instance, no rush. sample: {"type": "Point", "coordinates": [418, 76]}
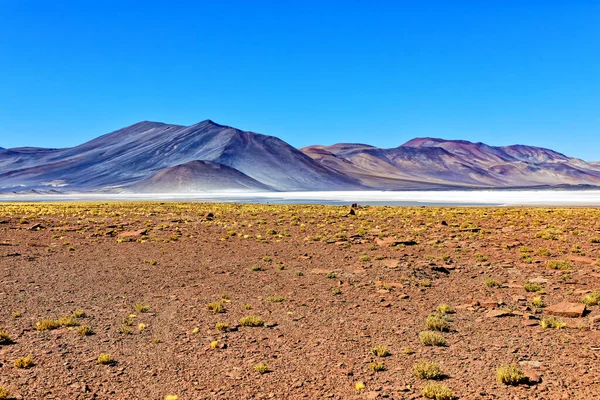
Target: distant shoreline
{"type": "Point", "coordinates": [489, 197]}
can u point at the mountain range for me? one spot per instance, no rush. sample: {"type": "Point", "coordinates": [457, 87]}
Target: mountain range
{"type": "Point", "coordinates": [154, 157]}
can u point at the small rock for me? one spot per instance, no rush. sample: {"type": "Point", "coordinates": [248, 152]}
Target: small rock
{"type": "Point", "coordinates": [529, 322]}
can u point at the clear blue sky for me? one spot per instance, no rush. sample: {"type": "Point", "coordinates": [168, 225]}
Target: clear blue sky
{"type": "Point", "coordinates": [380, 72]}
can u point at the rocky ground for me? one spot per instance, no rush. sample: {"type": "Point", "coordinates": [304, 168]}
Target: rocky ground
{"type": "Point", "coordinates": [328, 285]}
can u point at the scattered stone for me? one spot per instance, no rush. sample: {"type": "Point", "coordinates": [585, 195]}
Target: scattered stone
{"type": "Point", "coordinates": [538, 280]}
{"type": "Point", "coordinates": [497, 313]}
{"type": "Point", "coordinates": [133, 233]}
{"type": "Point", "coordinates": [488, 303]}
{"type": "Point", "coordinates": [529, 322]}
{"type": "Point", "coordinates": [595, 322]}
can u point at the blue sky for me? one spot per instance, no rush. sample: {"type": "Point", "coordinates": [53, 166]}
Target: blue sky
{"type": "Point", "coordinates": [380, 72]}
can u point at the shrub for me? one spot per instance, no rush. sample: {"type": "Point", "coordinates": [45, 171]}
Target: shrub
{"type": "Point", "coordinates": [330, 275]}
{"type": "Point", "coordinates": [510, 374]}
{"type": "Point", "coordinates": [3, 393]}
{"type": "Point", "coordinates": [360, 385]}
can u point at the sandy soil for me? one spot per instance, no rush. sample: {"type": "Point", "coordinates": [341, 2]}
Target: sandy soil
{"type": "Point", "coordinates": [348, 283]}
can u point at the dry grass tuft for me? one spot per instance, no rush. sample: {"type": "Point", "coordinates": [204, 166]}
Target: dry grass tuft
{"type": "Point", "coordinates": [592, 299]}
{"type": "Point", "coordinates": [24, 362]}
{"type": "Point", "coordinates": [510, 374]}
{"type": "Point", "coordinates": [262, 368]}
{"type": "Point", "coordinates": [436, 391]}
{"type": "Point", "coordinates": [105, 359]}
{"type": "Point", "coordinates": [79, 313]}
{"type": "Point", "coordinates": [376, 367]}
{"type": "Point", "coordinates": [427, 370]}
{"type": "Point", "coordinates": [432, 339]}
{"type": "Point", "coordinates": [141, 308]}
{"type": "Point", "coordinates": [436, 322]}
{"type": "Point", "coordinates": [445, 309]}
{"type": "Point", "coordinates": [216, 307]}
{"type": "Point", "coordinates": [67, 320]}
{"type": "Point", "coordinates": [222, 326]}
{"type": "Point", "coordinates": [84, 330]}
{"type": "Point", "coordinates": [552, 322]}
{"type": "Point", "coordinates": [276, 299]}
{"type": "Point", "coordinates": [380, 351]}
{"type": "Point", "coordinates": [47, 324]}
{"type": "Point", "coordinates": [252, 320]}
{"type": "Point", "coordinates": [5, 338]}
{"type": "Point", "coordinates": [559, 265]}
{"type": "Point", "coordinates": [532, 287]}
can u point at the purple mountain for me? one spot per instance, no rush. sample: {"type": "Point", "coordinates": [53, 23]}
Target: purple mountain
{"type": "Point", "coordinates": [158, 157]}
{"type": "Point", "coordinates": [119, 160]}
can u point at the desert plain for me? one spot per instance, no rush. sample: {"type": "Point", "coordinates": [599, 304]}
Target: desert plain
{"type": "Point", "coordinates": [224, 301]}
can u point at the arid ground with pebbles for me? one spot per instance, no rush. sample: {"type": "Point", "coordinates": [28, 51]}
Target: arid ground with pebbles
{"type": "Point", "coordinates": [214, 301]}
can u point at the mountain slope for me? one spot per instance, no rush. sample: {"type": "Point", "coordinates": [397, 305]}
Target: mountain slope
{"type": "Point", "coordinates": [197, 176]}
{"type": "Point", "coordinates": [134, 153]}
{"type": "Point", "coordinates": [424, 162]}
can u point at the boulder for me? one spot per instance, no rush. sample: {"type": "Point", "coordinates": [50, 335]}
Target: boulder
{"type": "Point", "coordinates": [566, 309]}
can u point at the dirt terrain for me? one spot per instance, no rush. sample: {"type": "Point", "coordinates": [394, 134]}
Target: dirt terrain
{"type": "Point", "coordinates": [165, 288]}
